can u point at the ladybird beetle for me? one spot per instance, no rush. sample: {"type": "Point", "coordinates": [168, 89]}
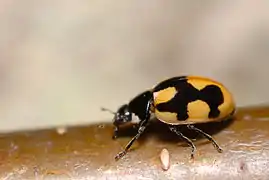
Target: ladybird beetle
{"type": "Point", "coordinates": [182, 100]}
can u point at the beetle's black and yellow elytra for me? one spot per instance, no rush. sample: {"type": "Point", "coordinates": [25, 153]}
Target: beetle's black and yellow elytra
{"type": "Point", "coordinates": [183, 100]}
{"type": "Point", "coordinates": [192, 99]}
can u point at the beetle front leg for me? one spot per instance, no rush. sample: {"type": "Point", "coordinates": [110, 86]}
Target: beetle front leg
{"type": "Point", "coordinates": [127, 147]}
{"type": "Point", "coordinates": [115, 133]}
{"type": "Point", "coordinates": [142, 126]}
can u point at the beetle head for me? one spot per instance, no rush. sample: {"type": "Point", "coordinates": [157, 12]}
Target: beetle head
{"type": "Point", "coordinates": [121, 117]}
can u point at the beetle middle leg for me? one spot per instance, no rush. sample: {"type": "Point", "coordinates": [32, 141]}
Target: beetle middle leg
{"type": "Point", "coordinates": [186, 139]}
{"type": "Point", "coordinates": [191, 127]}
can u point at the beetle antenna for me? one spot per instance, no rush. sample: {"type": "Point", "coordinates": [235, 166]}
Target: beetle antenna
{"type": "Point", "coordinates": [105, 109]}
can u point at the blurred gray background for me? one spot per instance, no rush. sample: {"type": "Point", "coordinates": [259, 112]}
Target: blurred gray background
{"type": "Point", "coordinates": [62, 60]}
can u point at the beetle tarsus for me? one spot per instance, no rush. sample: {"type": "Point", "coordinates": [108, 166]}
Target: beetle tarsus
{"type": "Point", "coordinates": [193, 150]}
{"type": "Point", "coordinates": [192, 156]}
{"type": "Point", "coordinates": [115, 134]}
{"type": "Point", "coordinates": [120, 155]}
{"type": "Point", "coordinates": [217, 147]}
{"type": "Point", "coordinates": [186, 139]}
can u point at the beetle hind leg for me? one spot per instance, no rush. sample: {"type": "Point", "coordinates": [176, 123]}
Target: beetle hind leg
{"type": "Point", "coordinates": [186, 139]}
{"type": "Point", "coordinates": [191, 127]}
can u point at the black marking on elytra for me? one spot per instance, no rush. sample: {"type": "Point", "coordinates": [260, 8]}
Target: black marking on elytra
{"type": "Point", "coordinates": [170, 83]}
{"type": "Point", "coordinates": [179, 104]}
{"type": "Point", "coordinates": [186, 93]}
{"type": "Point", "coordinates": [213, 96]}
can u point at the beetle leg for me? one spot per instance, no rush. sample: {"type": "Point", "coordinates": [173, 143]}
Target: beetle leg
{"type": "Point", "coordinates": [186, 139]}
{"type": "Point", "coordinates": [141, 129]}
{"type": "Point", "coordinates": [127, 147]}
{"type": "Point", "coordinates": [206, 136]}
{"type": "Point", "coordinates": [115, 134]}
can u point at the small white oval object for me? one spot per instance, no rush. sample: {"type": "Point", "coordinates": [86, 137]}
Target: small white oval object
{"type": "Point", "coordinates": [165, 159]}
